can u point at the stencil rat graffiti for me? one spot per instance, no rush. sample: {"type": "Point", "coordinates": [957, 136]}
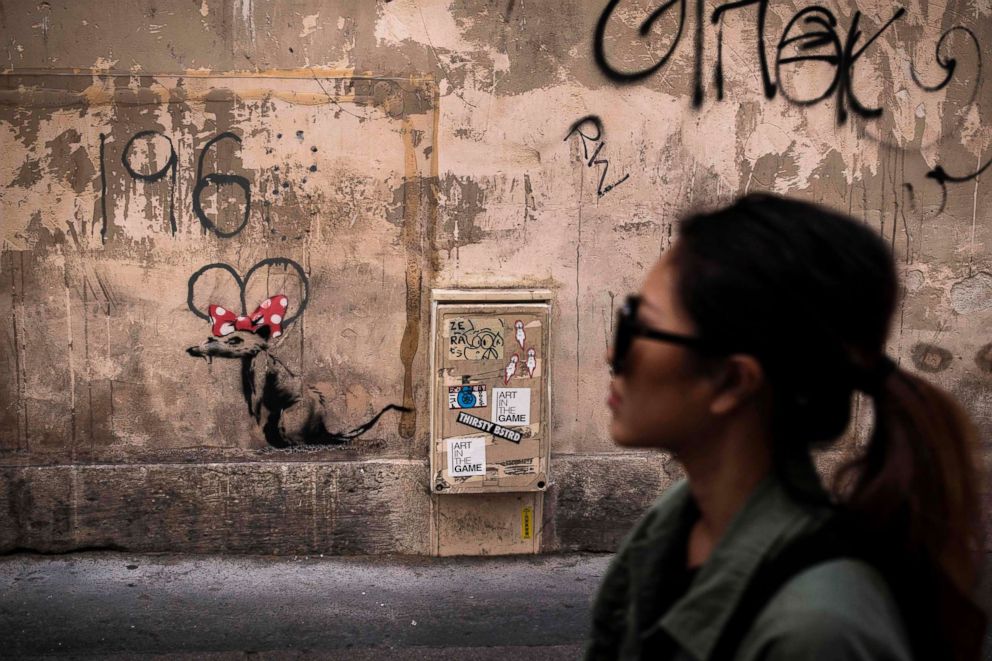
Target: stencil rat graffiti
{"type": "Point", "coordinates": [289, 411]}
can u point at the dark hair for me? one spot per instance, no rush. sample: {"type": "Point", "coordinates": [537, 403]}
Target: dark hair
{"type": "Point", "coordinates": [811, 293]}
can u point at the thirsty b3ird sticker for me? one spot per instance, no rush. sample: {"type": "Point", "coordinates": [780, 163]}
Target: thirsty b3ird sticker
{"type": "Point", "coordinates": [488, 427]}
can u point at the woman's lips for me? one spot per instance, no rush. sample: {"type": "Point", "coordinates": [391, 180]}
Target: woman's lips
{"type": "Point", "coordinates": [613, 401]}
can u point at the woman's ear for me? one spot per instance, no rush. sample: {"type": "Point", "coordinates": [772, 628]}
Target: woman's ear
{"type": "Point", "coordinates": [740, 379]}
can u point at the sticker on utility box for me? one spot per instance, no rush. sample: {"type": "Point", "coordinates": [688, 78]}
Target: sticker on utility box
{"type": "Point", "coordinates": [527, 522]}
{"type": "Point", "coordinates": [488, 427]}
{"type": "Point", "coordinates": [468, 397]}
{"type": "Point", "coordinates": [474, 339]}
{"type": "Point", "coordinates": [467, 456]}
{"type": "Point", "coordinates": [511, 406]}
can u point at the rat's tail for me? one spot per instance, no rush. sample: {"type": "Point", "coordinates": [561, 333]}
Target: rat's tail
{"type": "Point", "coordinates": [332, 438]}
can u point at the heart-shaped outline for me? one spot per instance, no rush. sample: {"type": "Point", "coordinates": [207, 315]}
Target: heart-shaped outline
{"type": "Point", "coordinates": [243, 285]}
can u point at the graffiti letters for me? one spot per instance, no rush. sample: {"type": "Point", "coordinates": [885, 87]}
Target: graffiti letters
{"type": "Point", "coordinates": [219, 179]}
{"type": "Point", "coordinates": [942, 177]}
{"type": "Point", "coordinates": [170, 166]}
{"type": "Point", "coordinates": [592, 122]}
{"type": "Point", "coordinates": [812, 35]}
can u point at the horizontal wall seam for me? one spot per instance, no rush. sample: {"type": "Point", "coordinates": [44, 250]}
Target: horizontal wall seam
{"type": "Point", "coordinates": [200, 465]}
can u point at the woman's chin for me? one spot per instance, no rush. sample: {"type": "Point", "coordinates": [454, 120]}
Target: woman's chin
{"type": "Point", "coordinates": [621, 434]}
{"type": "Point", "coordinates": [624, 436]}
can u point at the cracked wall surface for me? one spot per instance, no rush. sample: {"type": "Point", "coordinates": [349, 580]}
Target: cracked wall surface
{"type": "Point", "coordinates": [389, 147]}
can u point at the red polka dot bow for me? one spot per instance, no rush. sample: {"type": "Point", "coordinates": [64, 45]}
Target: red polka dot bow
{"type": "Point", "coordinates": [270, 313]}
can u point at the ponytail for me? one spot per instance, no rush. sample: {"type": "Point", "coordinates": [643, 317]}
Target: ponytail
{"type": "Point", "coordinates": [915, 491]}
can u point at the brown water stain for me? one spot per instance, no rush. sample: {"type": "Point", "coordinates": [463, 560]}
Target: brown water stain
{"type": "Point", "coordinates": [27, 175]}
{"type": "Point", "coordinates": [930, 358]}
{"type": "Point", "coordinates": [69, 160]}
{"type": "Point", "coordinates": [983, 359]}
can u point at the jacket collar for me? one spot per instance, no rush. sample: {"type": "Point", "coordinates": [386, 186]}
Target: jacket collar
{"type": "Point", "coordinates": [766, 523]}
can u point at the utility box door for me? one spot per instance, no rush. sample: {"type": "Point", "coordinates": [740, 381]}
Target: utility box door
{"type": "Point", "coordinates": [490, 395]}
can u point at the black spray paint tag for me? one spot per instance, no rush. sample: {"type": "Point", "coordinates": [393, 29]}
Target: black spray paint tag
{"type": "Point", "coordinates": [489, 427]}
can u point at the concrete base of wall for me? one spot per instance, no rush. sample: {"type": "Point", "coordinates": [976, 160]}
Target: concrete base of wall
{"type": "Point", "coordinates": [347, 507]}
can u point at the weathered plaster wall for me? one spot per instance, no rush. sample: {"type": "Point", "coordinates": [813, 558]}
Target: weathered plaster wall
{"type": "Point", "coordinates": [391, 147]}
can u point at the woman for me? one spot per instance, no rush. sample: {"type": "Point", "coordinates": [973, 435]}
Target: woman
{"type": "Point", "coordinates": [740, 356]}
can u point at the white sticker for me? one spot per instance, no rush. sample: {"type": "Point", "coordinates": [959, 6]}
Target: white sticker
{"type": "Point", "coordinates": [511, 406]}
{"type": "Point", "coordinates": [466, 456]}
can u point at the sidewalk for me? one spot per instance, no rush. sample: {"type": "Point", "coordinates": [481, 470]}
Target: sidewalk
{"type": "Point", "coordinates": [123, 606]}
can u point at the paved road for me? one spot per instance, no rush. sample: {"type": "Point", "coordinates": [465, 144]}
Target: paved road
{"type": "Point", "coordinates": [120, 606]}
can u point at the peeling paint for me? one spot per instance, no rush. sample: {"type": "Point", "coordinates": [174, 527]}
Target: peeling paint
{"type": "Point", "coordinates": [244, 15]}
{"type": "Point", "coordinates": [972, 294]}
{"type": "Point", "coordinates": [310, 24]}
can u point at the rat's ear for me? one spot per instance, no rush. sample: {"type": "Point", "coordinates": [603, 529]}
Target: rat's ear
{"type": "Point", "coordinates": [264, 332]}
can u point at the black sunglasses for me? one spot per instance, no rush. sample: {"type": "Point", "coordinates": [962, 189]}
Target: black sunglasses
{"type": "Point", "coordinates": [628, 327]}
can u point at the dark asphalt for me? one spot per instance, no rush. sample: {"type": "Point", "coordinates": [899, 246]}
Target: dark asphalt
{"type": "Point", "coordinates": [120, 606]}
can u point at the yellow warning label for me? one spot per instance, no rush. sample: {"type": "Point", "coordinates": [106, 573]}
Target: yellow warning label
{"type": "Point", "coordinates": [527, 522]}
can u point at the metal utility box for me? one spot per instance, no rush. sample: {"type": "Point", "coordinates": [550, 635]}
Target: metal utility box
{"type": "Point", "coordinates": [490, 390]}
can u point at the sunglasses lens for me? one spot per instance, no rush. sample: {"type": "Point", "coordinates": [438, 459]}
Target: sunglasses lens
{"type": "Point", "coordinates": [622, 338]}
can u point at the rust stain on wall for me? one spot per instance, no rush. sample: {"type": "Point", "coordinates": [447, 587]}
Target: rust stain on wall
{"type": "Point", "coordinates": [412, 238]}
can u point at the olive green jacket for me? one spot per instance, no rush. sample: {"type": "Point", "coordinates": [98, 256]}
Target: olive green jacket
{"type": "Point", "coordinates": [838, 610]}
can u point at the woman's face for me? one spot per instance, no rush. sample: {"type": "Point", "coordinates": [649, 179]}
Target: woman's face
{"type": "Point", "coordinates": [661, 400]}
